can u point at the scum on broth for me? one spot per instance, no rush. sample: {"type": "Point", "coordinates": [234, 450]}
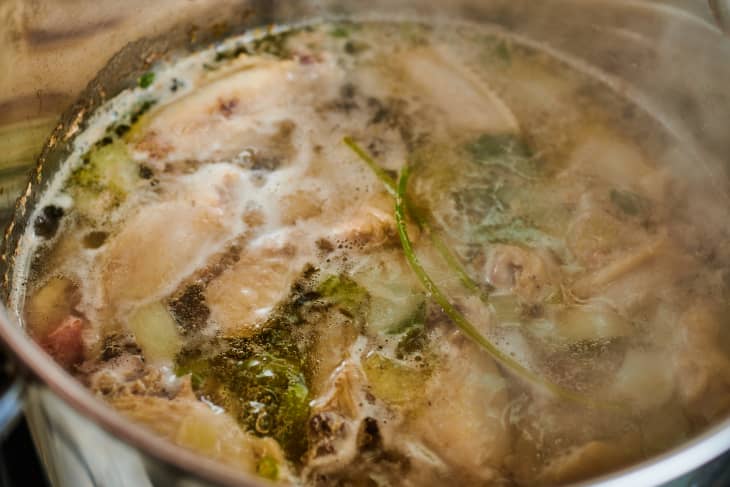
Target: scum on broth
{"type": "Point", "coordinates": [216, 263]}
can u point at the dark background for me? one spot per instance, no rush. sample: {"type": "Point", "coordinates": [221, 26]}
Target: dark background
{"type": "Point", "coordinates": [19, 465]}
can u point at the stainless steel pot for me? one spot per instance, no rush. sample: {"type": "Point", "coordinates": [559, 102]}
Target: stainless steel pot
{"type": "Point", "coordinates": [669, 57]}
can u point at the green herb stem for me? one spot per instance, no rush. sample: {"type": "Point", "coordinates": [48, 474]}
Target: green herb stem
{"type": "Point", "coordinates": [381, 174]}
{"type": "Point", "coordinates": [441, 246]}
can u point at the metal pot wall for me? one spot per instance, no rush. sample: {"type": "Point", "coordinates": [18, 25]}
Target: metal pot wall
{"type": "Point", "coordinates": [670, 61]}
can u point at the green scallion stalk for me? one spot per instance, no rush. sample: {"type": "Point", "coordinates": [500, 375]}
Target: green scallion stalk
{"type": "Point", "coordinates": [443, 249]}
{"type": "Point", "coordinates": [383, 176]}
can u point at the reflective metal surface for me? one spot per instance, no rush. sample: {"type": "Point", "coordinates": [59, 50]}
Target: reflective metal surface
{"type": "Point", "coordinates": [670, 61]}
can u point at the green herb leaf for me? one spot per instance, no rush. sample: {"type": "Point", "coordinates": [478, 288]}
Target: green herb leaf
{"type": "Point", "coordinates": [351, 298]}
{"type": "Point", "coordinates": [146, 80]}
{"type": "Point", "coordinates": [414, 340]}
{"type": "Point", "coordinates": [268, 468]}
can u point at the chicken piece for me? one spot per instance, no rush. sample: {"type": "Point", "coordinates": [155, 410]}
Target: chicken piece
{"type": "Point", "coordinates": [652, 278]}
{"type": "Point", "coordinates": [123, 374]}
{"type": "Point", "coordinates": [610, 158]}
{"type": "Point", "coordinates": [584, 461]}
{"type": "Point", "coordinates": [526, 272]}
{"type": "Point", "coordinates": [467, 103]}
{"type": "Point", "coordinates": [242, 298]}
{"type": "Point", "coordinates": [244, 114]}
{"type": "Point", "coordinates": [336, 417]}
{"type": "Point", "coordinates": [354, 440]}
{"type": "Point", "coordinates": [354, 437]}
{"type": "Point", "coordinates": [165, 242]}
{"type": "Point", "coordinates": [464, 422]}
{"type": "Point", "coordinates": [622, 265]}
{"type": "Point", "coordinates": [204, 429]}
{"type": "Point", "coordinates": [369, 225]}
{"type": "Point", "coordinates": [642, 371]}
{"type": "Point", "coordinates": [701, 367]}
{"type": "Point", "coordinates": [335, 337]}
{"type": "Point", "coordinates": [157, 248]}
{"type": "Point", "coordinates": [552, 436]}
{"type": "Point", "coordinates": [543, 92]}
{"type": "Point", "coordinates": [300, 205]}
{"type": "Point", "coordinates": [596, 235]}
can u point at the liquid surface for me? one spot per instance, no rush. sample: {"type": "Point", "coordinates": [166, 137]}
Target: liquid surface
{"type": "Point", "coordinates": [221, 259]}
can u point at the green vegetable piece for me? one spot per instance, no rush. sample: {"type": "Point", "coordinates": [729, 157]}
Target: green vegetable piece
{"type": "Point", "coordinates": [273, 393]}
{"type": "Point", "coordinates": [396, 300]}
{"type": "Point", "coordinates": [628, 202]}
{"type": "Point", "coordinates": [506, 150]}
{"type": "Point", "coordinates": [102, 182]}
{"type": "Point", "coordinates": [198, 368]}
{"type": "Point", "coordinates": [351, 298]}
{"type": "Point", "coordinates": [340, 32]}
{"type": "Point", "coordinates": [414, 340]}
{"type": "Point", "coordinates": [155, 332]}
{"type": "Point", "coordinates": [146, 80]}
{"type": "Point", "coordinates": [393, 381]}
{"type": "Point", "coordinates": [521, 232]}
{"type": "Point", "coordinates": [231, 53]}
{"type": "Point", "coordinates": [268, 468]}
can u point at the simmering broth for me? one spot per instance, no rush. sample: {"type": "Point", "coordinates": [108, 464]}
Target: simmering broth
{"type": "Point", "coordinates": [384, 254]}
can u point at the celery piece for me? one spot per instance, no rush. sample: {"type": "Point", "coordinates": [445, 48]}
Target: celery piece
{"type": "Point", "coordinates": [156, 332]}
